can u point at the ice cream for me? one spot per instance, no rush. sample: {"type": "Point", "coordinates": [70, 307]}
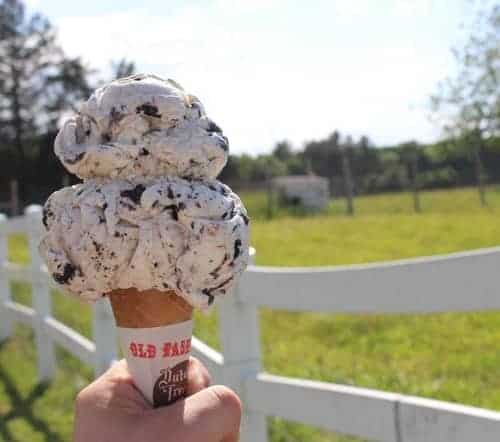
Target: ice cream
{"type": "Point", "coordinates": [168, 233]}
{"type": "Point", "coordinates": [150, 226]}
{"type": "Point", "coordinates": [142, 126]}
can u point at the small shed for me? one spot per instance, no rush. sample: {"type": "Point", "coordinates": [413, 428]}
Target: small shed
{"type": "Point", "coordinates": [308, 191]}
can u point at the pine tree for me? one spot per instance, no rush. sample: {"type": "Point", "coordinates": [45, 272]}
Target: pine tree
{"type": "Point", "coordinates": [37, 82]}
{"type": "Point", "coordinates": [123, 68]}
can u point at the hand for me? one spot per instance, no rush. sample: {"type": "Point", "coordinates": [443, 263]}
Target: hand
{"type": "Point", "coordinates": [111, 409]}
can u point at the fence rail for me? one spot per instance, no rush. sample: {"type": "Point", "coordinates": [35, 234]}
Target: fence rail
{"type": "Point", "coordinates": [465, 281]}
{"type": "Point", "coordinates": [455, 282]}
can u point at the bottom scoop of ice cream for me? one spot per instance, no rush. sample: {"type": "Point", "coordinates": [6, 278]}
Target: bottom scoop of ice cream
{"type": "Point", "coordinates": [165, 234]}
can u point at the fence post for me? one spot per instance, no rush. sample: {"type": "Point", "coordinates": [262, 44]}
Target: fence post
{"type": "Point", "coordinates": [104, 334]}
{"type": "Point", "coordinates": [347, 177]}
{"type": "Point", "coordinates": [240, 339]}
{"type": "Point", "coordinates": [5, 322]}
{"type": "Point", "coordinates": [14, 198]}
{"type": "Point", "coordinates": [42, 302]}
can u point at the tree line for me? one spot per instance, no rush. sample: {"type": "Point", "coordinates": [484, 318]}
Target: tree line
{"type": "Point", "coordinates": [466, 105]}
{"type": "Point", "coordinates": [39, 83]}
{"type": "Point", "coordinates": [447, 163]}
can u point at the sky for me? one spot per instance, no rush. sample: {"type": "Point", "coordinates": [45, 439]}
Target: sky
{"type": "Point", "coordinates": [268, 70]}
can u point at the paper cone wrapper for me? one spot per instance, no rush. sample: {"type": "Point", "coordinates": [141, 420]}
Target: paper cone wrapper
{"type": "Point", "coordinates": [155, 330]}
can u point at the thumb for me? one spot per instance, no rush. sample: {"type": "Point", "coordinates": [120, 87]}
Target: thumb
{"type": "Point", "coordinates": [211, 415]}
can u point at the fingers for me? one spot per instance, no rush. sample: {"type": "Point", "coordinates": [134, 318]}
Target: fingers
{"type": "Point", "coordinates": [118, 377]}
{"type": "Point", "coordinates": [117, 385]}
{"type": "Point", "coordinates": [198, 376]}
{"type": "Point", "coordinates": [211, 415]}
{"type": "Point", "coordinates": [115, 389]}
{"type": "Point", "coordinates": [119, 372]}
{"type": "Point", "coordinates": [115, 374]}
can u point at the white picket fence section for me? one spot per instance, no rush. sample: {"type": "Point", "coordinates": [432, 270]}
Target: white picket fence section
{"type": "Point", "coordinates": [455, 282]}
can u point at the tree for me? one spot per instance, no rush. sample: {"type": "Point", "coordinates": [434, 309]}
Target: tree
{"type": "Point", "coordinates": [123, 68]}
{"type": "Point", "coordinates": [345, 150]}
{"type": "Point", "coordinates": [468, 104]}
{"type": "Point", "coordinates": [283, 151]}
{"type": "Point", "coordinates": [266, 167]}
{"type": "Point", "coordinates": [37, 81]}
{"type": "Point", "coordinates": [322, 157]}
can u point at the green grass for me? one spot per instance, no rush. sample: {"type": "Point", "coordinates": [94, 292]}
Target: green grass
{"type": "Point", "coordinates": [383, 228]}
{"type": "Point", "coordinates": [452, 357]}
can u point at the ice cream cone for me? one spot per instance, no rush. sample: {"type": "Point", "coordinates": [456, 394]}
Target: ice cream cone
{"type": "Point", "coordinates": [155, 330]}
{"type": "Point", "coordinates": [149, 308]}
{"type": "Point", "coordinates": [151, 216]}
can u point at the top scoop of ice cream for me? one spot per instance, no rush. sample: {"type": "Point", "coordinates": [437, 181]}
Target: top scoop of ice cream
{"type": "Point", "coordinates": [142, 126]}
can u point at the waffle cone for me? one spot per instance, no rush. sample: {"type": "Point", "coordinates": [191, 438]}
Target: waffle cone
{"type": "Point", "coordinates": [155, 330]}
{"type": "Point", "coordinates": [148, 308]}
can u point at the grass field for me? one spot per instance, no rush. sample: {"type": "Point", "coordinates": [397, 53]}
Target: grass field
{"type": "Point", "coordinates": [453, 357]}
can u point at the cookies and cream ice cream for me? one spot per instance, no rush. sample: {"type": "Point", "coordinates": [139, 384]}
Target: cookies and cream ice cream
{"type": "Point", "coordinates": [142, 126]}
{"type": "Point", "coordinates": [150, 226]}
{"type": "Point", "coordinates": [149, 214]}
{"type": "Point", "coordinates": [167, 233]}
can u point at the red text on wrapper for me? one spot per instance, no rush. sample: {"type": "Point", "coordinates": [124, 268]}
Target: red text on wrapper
{"type": "Point", "coordinates": [168, 349]}
{"type": "Point", "coordinates": [139, 350]}
{"type": "Point", "coordinates": [176, 348]}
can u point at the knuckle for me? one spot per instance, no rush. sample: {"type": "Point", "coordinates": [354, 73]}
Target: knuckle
{"type": "Point", "coordinates": [205, 377]}
{"type": "Point", "coordinates": [200, 373]}
{"type": "Point", "coordinates": [82, 398]}
{"type": "Point", "coordinates": [229, 402]}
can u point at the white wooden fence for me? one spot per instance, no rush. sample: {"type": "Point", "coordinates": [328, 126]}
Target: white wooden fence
{"type": "Point", "coordinates": [456, 282]}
